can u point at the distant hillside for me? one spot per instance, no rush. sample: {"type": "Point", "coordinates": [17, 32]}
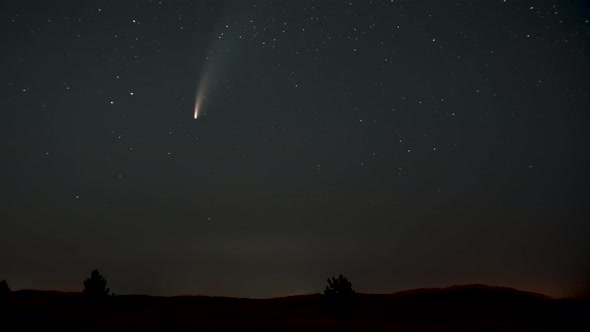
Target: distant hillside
{"type": "Point", "coordinates": [471, 307]}
{"type": "Point", "coordinates": [475, 292]}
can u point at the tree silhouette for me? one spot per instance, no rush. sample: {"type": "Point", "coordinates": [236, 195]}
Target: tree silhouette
{"type": "Point", "coordinates": [5, 307]}
{"type": "Point", "coordinates": [339, 288]}
{"type": "Point", "coordinates": [96, 286]}
{"type": "Point", "coordinates": [4, 290]}
{"type": "Point", "coordinates": [339, 295]}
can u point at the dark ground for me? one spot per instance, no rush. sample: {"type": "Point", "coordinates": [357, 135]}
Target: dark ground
{"type": "Point", "coordinates": [462, 308]}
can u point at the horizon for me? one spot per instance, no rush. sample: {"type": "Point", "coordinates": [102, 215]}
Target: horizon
{"type": "Point", "coordinates": [404, 292]}
{"type": "Point", "coordinates": [253, 148]}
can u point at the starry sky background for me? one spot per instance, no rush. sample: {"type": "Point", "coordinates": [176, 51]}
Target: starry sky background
{"type": "Point", "coordinates": [403, 144]}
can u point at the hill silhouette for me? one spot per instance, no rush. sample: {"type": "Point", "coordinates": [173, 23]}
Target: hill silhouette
{"type": "Point", "coordinates": [455, 308]}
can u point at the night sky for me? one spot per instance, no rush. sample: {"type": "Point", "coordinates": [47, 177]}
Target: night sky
{"type": "Point", "coordinates": [404, 144]}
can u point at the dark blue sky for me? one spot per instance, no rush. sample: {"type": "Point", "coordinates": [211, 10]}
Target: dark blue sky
{"type": "Point", "coordinates": [404, 144]}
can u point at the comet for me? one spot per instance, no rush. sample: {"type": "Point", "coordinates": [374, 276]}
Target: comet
{"type": "Point", "coordinates": [219, 54]}
{"type": "Point", "coordinates": [203, 85]}
{"type": "Point", "coordinates": [198, 102]}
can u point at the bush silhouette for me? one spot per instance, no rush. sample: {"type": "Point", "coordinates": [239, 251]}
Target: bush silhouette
{"type": "Point", "coordinates": [339, 294]}
{"type": "Point", "coordinates": [96, 286]}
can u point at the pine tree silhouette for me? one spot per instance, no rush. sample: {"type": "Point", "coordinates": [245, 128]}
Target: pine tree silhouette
{"type": "Point", "coordinates": [339, 296]}
{"type": "Point", "coordinates": [96, 285]}
{"type": "Point", "coordinates": [6, 320]}
{"type": "Point", "coordinates": [339, 288]}
{"type": "Point", "coordinates": [4, 290]}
